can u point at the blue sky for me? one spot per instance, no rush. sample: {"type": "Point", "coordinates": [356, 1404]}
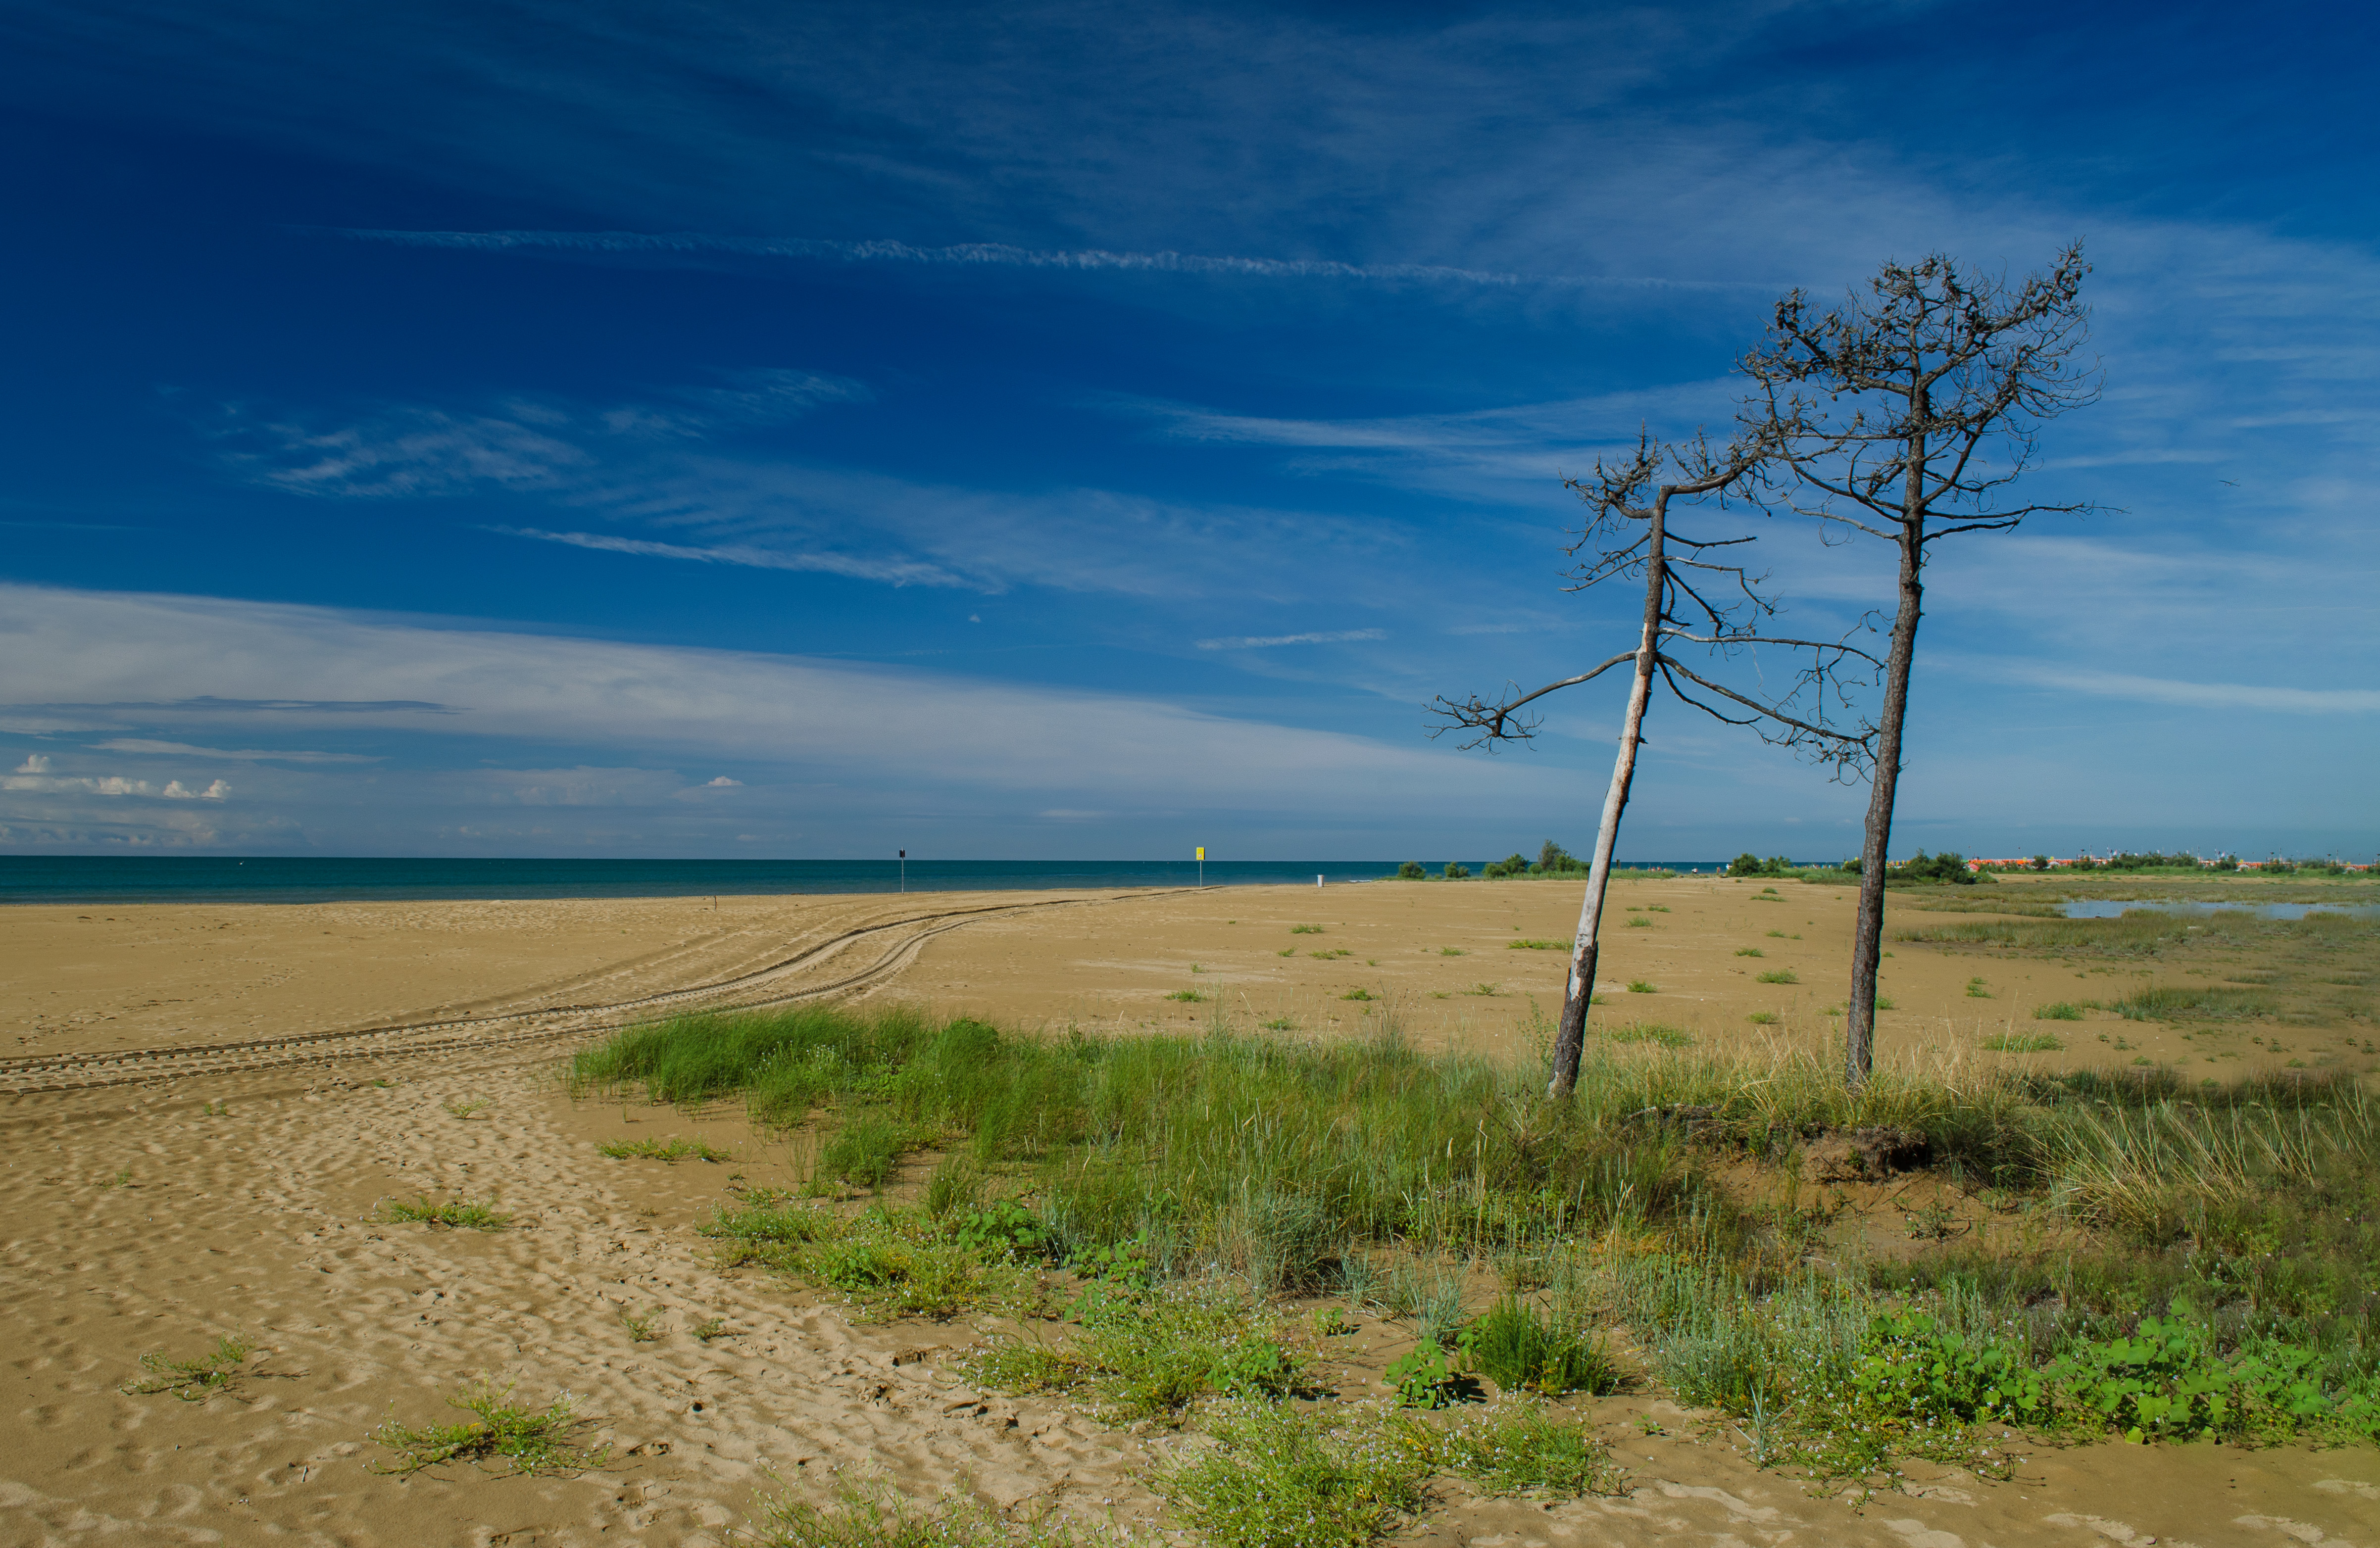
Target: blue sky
{"type": "Point", "coordinates": [1068, 430]}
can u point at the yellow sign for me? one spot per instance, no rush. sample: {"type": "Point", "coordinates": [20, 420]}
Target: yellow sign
{"type": "Point", "coordinates": [1202, 852]}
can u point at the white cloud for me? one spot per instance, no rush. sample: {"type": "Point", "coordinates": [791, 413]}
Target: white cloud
{"type": "Point", "coordinates": [862, 728]}
{"type": "Point", "coordinates": [723, 782]}
{"type": "Point", "coordinates": [978, 255]}
{"type": "Point", "coordinates": [893, 572]}
{"type": "Point", "coordinates": [98, 784]}
{"type": "Point", "coordinates": [242, 755]}
{"type": "Point", "coordinates": [214, 791]}
{"type": "Point", "coordinates": [34, 764]}
{"type": "Point", "coordinates": [2270, 699]}
{"type": "Point", "coordinates": [1259, 642]}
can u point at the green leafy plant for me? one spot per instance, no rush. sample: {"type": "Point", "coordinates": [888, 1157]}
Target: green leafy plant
{"type": "Point", "coordinates": [1422, 1377]}
{"type": "Point", "coordinates": [1004, 1229]}
{"type": "Point", "coordinates": [1762, 1018]}
{"type": "Point", "coordinates": [1535, 945]}
{"type": "Point", "coordinates": [1192, 995]}
{"type": "Point", "coordinates": [194, 1381]}
{"type": "Point", "coordinates": [2058, 1010]}
{"type": "Point", "coordinates": [1750, 951]}
{"type": "Point", "coordinates": [643, 1327]}
{"type": "Point", "coordinates": [1306, 929]}
{"type": "Point", "coordinates": [1912, 1367]}
{"type": "Point", "coordinates": [1258, 1368]}
{"type": "Point", "coordinates": [1642, 986]}
{"type": "Point", "coordinates": [1778, 975]}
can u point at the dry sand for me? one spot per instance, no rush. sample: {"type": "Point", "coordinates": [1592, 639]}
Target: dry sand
{"type": "Point", "coordinates": [213, 1139]}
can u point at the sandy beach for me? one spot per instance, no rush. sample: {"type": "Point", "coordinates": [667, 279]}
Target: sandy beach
{"type": "Point", "coordinates": [210, 1101]}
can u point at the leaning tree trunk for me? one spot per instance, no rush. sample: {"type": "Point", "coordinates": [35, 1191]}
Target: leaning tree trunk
{"type": "Point", "coordinates": [1867, 940]}
{"type": "Point", "coordinates": [1569, 1039]}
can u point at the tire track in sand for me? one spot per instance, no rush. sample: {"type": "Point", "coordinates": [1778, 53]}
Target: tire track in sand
{"type": "Point", "coordinates": [756, 990]}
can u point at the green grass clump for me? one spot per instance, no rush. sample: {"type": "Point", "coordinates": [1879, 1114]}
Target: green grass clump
{"type": "Point", "coordinates": [1189, 995]}
{"type": "Point", "coordinates": [1638, 922]}
{"type": "Point", "coordinates": [1519, 1349]}
{"type": "Point", "coordinates": [1277, 1477]}
{"type": "Point", "coordinates": [526, 1440]}
{"type": "Point", "coordinates": [670, 1149]}
{"type": "Point", "coordinates": [1141, 1353]}
{"type": "Point", "coordinates": [2023, 1043]}
{"type": "Point", "coordinates": [1750, 951]}
{"type": "Point", "coordinates": [457, 1214]}
{"type": "Point", "coordinates": [1643, 1032]}
{"type": "Point", "coordinates": [1518, 1447]}
{"type": "Point", "coordinates": [1642, 986]}
{"type": "Point", "coordinates": [1535, 945]}
{"type": "Point", "coordinates": [1306, 929]}
{"type": "Point", "coordinates": [1357, 994]}
{"type": "Point", "coordinates": [869, 1515]}
{"type": "Point", "coordinates": [2165, 1002]}
{"type": "Point", "coordinates": [1763, 1017]}
{"type": "Point", "coordinates": [2058, 1010]}
{"type": "Point", "coordinates": [1778, 975]}
{"type": "Point", "coordinates": [194, 1381]}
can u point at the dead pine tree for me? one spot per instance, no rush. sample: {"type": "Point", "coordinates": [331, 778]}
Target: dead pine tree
{"type": "Point", "coordinates": [1905, 415]}
{"type": "Point", "coordinates": [1693, 595]}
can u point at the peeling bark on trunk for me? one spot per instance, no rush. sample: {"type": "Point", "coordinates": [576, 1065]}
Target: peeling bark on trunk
{"type": "Point", "coordinates": [1569, 1039]}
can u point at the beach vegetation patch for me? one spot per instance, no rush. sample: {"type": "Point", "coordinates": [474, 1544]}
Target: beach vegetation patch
{"type": "Point", "coordinates": [670, 1149]}
{"type": "Point", "coordinates": [1535, 945]}
{"type": "Point", "coordinates": [2023, 1043]}
{"type": "Point", "coordinates": [1281, 1477]}
{"type": "Point", "coordinates": [526, 1440]}
{"type": "Point", "coordinates": [1306, 929]}
{"type": "Point", "coordinates": [1642, 986]}
{"type": "Point", "coordinates": [194, 1381]}
{"type": "Point", "coordinates": [474, 1214]}
{"type": "Point", "coordinates": [867, 1514]}
{"type": "Point", "coordinates": [2058, 1010]}
{"type": "Point", "coordinates": [1778, 975]}
{"type": "Point", "coordinates": [1188, 996]}
{"type": "Point", "coordinates": [1240, 1165]}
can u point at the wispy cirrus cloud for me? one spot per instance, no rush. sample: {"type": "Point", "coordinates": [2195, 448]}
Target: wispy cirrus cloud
{"type": "Point", "coordinates": [1005, 255]}
{"type": "Point", "coordinates": [2271, 698]}
{"type": "Point", "coordinates": [1261, 642]}
{"type": "Point", "coordinates": [893, 572]}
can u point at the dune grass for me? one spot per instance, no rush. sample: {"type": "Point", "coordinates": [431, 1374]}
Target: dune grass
{"type": "Point", "coordinates": [2242, 1214]}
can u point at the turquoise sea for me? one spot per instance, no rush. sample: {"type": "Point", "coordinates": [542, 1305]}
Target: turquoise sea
{"type": "Point", "coordinates": [123, 879]}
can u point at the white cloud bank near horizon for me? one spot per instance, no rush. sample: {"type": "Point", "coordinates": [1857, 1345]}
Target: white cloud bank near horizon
{"type": "Point", "coordinates": [431, 736]}
{"type": "Point", "coordinates": [822, 745]}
